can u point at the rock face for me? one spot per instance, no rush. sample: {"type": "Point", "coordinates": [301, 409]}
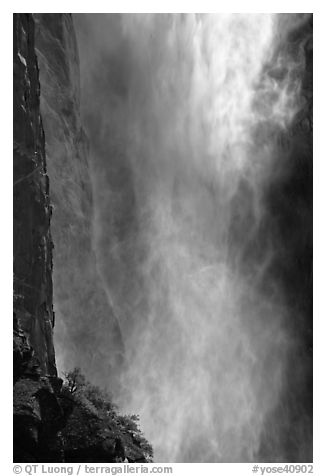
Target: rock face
{"type": "Point", "coordinates": [36, 411]}
{"type": "Point", "coordinates": [48, 427]}
{"type": "Point", "coordinates": [77, 288]}
{"type": "Point", "coordinates": [32, 239]}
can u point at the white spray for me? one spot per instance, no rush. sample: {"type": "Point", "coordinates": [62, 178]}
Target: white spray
{"type": "Point", "coordinates": [189, 149]}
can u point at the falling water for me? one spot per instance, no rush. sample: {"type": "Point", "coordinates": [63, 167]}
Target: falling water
{"type": "Point", "coordinates": [182, 120]}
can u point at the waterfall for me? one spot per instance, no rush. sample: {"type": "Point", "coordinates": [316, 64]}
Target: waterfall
{"type": "Point", "coordinates": [185, 115]}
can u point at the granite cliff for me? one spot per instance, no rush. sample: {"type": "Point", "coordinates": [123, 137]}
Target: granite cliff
{"type": "Point", "coordinates": [51, 423]}
{"type": "Point", "coordinates": [77, 288]}
{"type": "Point", "coordinates": [37, 414]}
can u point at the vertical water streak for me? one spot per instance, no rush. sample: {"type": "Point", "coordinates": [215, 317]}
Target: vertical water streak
{"type": "Point", "coordinates": [183, 147]}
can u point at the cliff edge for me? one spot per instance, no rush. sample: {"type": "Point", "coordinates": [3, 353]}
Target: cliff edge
{"type": "Point", "coordinates": [37, 414]}
{"type": "Point", "coordinates": [53, 422]}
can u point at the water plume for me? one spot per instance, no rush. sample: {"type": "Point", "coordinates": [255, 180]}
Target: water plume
{"type": "Point", "coordinates": [183, 114]}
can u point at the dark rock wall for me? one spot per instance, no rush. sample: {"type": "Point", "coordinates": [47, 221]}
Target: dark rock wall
{"type": "Point", "coordinates": [32, 238]}
{"type": "Point", "coordinates": [46, 428]}
{"type": "Point", "coordinates": [37, 414]}
{"type": "Point", "coordinates": [78, 295]}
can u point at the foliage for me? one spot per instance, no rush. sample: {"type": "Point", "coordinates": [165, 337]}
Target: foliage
{"type": "Point", "coordinates": [74, 380]}
{"type": "Point", "coordinates": [101, 413]}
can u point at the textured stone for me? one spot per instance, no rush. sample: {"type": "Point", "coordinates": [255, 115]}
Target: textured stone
{"type": "Point", "coordinates": [32, 239]}
{"type": "Point", "coordinates": [36, 410]}
{"type": "Point", "coordinates": [48, 426]}
{"type": "Point", "coordinates": [77, 286]}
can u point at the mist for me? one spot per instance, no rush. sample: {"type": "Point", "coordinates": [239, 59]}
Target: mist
{"type": "Point", "coordinates": [188, 119]}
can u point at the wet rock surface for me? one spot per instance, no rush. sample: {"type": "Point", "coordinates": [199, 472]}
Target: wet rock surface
{"type": "Point", "coordinates": [36, 411]}
{"type": "Point", "coordinates": [76, 283]}
{"type": "Point", "coordinates": [48, 426]}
